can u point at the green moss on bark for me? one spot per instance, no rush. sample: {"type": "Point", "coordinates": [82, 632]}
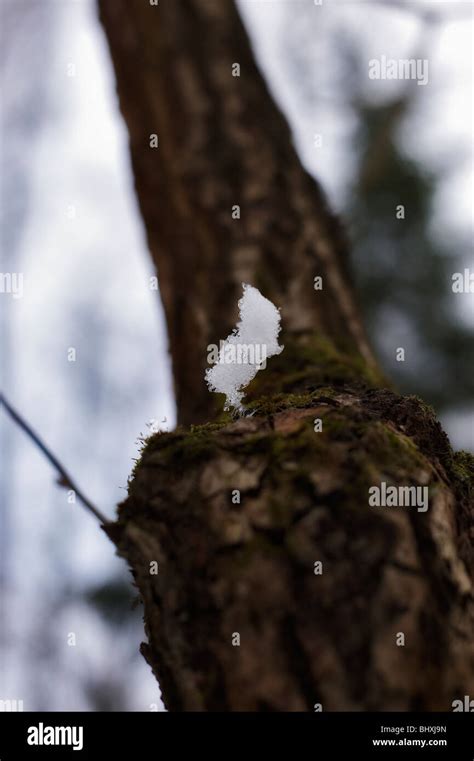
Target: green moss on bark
{"type": "Point", "coordinates": [311, 362]}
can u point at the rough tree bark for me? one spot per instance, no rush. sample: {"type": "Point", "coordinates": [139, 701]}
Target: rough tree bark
{"type": "Point", "coordinates": [306, 638]}
{"type": "Point", "coordinates": [222, 142]}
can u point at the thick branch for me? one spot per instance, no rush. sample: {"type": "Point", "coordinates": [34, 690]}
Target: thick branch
{"type": "Point", "coordinates": [222, 143]}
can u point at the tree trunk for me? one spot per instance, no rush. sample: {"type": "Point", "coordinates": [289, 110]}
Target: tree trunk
{"type": "Point", "coordinates": [279, 587]}
{"type": "Point", "coordinates": [222, 143]}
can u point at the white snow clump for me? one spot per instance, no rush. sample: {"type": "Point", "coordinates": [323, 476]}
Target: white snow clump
{"type": "Point", "coordinates": [245, 351]}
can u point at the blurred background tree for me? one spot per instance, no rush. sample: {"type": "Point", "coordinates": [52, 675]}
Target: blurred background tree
{"type": "Point", "coordinates": [386, 144]}
{"type": "Point", "coordinates": [403, 269]}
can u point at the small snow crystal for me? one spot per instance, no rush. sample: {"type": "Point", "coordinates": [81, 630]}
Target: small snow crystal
{"type": "Point", "coordinates": [239, 358]}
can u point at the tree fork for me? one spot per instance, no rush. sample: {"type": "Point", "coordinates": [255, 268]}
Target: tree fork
{"type": "Point", "coordinates": [317, 584]}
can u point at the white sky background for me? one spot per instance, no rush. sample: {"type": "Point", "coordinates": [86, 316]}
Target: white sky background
{"type": "Point", "coordinates": [86, 286]}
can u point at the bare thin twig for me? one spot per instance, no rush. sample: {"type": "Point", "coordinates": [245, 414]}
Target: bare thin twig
{"type": "Point", "coordinates": [65, 479]}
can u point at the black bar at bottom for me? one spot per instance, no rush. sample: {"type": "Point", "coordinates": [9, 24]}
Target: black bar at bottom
{"type": "Point", "coordinates": [318, 736]}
